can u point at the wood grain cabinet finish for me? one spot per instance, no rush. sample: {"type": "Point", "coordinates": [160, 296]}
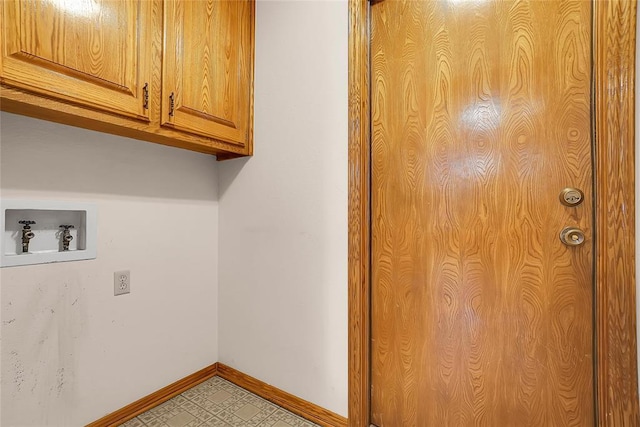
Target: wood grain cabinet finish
{"type": "Point", "coordinates": [175, 72]}
{"type": "Point", "coordinates": [94, 53]}
{"type": "Point", "coordinates": [205, 79]}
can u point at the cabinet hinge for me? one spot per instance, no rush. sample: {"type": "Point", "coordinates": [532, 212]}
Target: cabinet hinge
{"type": "Point", "coordinates": [145, 96]}
{"type": "Point", "coordinates": [172, 104]}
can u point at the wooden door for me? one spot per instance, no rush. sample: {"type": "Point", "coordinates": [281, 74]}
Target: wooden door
{"type": "Point", "coordinates": [481, 115]}
{"type": "Point", "coordinates": [95, 53]}
{"type": "Point", "coordinates": [207, 67]}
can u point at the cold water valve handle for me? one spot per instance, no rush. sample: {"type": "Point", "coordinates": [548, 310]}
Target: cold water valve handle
{"type": "Point", "coordinates": [66, 236]}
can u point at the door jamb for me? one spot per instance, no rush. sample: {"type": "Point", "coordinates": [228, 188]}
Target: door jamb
{"type": "Point", "coordinates": [359, 252]}
{"type": "Point", "coordinates": [615, 369]}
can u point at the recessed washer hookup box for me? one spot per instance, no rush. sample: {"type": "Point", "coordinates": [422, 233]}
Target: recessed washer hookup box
{"type": "Point", "coordinates": [44, 231]}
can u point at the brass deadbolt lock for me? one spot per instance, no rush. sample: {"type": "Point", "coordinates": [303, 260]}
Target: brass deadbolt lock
{"type": "Point", "coordinates": [571, 196]}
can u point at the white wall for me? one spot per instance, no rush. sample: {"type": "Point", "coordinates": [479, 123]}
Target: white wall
{"type": "Point", "coordinates": [71, 351]}
{"type": "Point", "coordinates": [283, 213]}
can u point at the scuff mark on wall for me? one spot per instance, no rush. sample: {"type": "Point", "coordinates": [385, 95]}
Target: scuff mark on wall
{"type": "Point", "coordinates": [42, 334]}
{"type": "Point", "coordinates": [18, 371]}
{"type": "Point", "coordinates": [60, 380]}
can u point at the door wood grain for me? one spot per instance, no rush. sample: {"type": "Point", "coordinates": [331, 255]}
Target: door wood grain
{"type": "Point", "coordinates": [92, 53]}
{"type": "Point", "coordinates": [481, 115]}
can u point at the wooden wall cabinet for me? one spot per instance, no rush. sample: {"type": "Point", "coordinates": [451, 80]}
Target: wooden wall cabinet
{"type": "Point", "coordinates": [205, 72]}
{"type": "Point", "coordinates": [176, 72]}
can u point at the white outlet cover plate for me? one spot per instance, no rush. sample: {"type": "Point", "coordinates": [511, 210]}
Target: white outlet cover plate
{"type": "Point", "coordinates": [117, 290]}
{"type": "Point", "coordinates": [9, 259]}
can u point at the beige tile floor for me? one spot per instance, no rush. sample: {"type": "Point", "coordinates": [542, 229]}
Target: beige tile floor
{"type": "Point", "coordinates": [217, 403]}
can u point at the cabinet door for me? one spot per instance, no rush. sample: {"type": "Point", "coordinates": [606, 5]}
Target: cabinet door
{"type": "Point", "coordinates": [207, 68]}
{"type": "Point", "coordinates": [95, 53]}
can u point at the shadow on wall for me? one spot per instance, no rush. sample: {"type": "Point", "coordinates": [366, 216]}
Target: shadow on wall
{"type": "Point", "coordinates": [232, 169]}
{"type": "Point", "coordinates": [37, 155]}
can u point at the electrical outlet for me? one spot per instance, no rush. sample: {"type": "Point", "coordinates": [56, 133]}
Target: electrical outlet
{"type": "Point", "coordinates": [121, 282]}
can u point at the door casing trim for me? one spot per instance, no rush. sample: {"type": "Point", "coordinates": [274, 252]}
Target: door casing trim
{"type": "Point", "coordinates": [615, 369]}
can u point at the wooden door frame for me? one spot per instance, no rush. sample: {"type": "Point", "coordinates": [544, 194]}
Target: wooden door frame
{"type": "Point", "coordinates": [615, 370]}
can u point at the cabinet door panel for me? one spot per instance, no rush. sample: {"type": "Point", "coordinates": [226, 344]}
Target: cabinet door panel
{"type": "Point", "coordinates": [207, 68]}
{"type": "Point", "coordinates": [91, 52]}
